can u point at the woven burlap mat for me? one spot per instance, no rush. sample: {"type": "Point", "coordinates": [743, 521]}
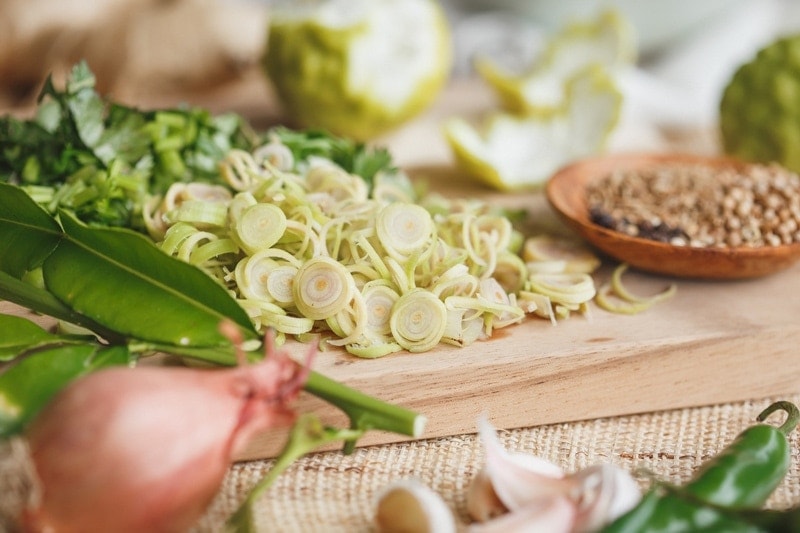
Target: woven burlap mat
{"type": "Point", "coordinates": [331, 492]}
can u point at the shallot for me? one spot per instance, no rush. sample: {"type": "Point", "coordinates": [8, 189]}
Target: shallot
{"type": "Point", "coordinates": [146, 449]}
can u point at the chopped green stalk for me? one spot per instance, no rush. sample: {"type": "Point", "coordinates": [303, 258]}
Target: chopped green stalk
{"type": "Point", "coordinates": [307, 434]}
{"type": "Point", "coordinates": [365, 412]}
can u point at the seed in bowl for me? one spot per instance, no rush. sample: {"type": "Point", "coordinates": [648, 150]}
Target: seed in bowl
{"type": "Point", "coordinates": [699, 205]}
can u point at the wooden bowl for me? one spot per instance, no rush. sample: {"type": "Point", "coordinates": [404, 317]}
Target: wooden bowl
{"type": "Point", "coordinates": [566, 193]}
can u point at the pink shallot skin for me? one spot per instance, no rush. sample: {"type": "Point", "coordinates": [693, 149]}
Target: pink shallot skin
{"type": "Point", "coordinates": [146, 449]}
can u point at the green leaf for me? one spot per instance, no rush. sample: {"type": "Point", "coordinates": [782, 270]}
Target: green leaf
{"type": "Point", "coordinates": [28, 385]}
{"type": "Point", "coordinates": [19, 335]}
{"type": "Point", "coordinates": [27, 233]}
{"type": "Point", "coordinates": [123, 282]}
{"type": "Point", "coordinates": [39, 300]}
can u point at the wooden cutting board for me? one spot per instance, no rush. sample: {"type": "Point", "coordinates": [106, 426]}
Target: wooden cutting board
{"type": "Point", "coordinates": [711, 343]}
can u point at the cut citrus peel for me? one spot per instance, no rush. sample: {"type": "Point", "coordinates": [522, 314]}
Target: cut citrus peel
{"type": "Point", "coordinates": [607, 41]}
{"type": "Point", "coordinates": [512, 152]}
{"type": "Point", "coordinates": [360, 68]}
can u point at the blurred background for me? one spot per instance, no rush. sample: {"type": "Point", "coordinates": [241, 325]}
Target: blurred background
{"type": "Point", "coordinates": [158, 52]}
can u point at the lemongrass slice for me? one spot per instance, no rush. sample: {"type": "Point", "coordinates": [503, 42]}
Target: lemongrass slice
{"type": "Point", "coordinates": [203, 254]}
{"type": "Point", "coordinates": [200, 213]}
{"type": "Point", "coordinates": [238, 204]}
{"type": "Point", "coordinates": [404, 229]}
{"type": "Point", "coordinates": [259, 227]}
{"type": "Point", "coordinates": [290, 325]}
{"type": "Point", "coordinates": [563, 288]}
{"type": "Point", "coordinates": [374, 349]}
{"type": "Point", "coordinates": [251, 275]}
{"type": "Point", "coordinates": [350, 323]}
{"type": "Point", "coordinates": [239, 169]}
{"type": "Point", "coordinates": [625, 294]}
{"type": "Point", "coordinates": [460, 330]}
{"type": "Point", "coordinates": [457, 281]}
{"type": "Point", "coordinates": [175, 236]}
{"type": "Point", "coordinates": [379, 299]}
{"type": "Point", "coordinates": [279, 284]}
{"type": "Point", "coordinates": [576, 256]}
{"type": "Point", "coordinates": [275, 153]}
{"type": "Point", "coordinates": [322, 287]}
{"type": "Point", "coordinates": [608, 299]}
{"type": "Point", "coordinates": [538, 304]}
{"type": "Point", "coordinates": [510, 271]}
{"type": "Point", "coordinates": [418, 320]}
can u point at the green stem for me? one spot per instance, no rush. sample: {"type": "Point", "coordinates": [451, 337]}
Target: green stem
{"type": "Point", "coordinates": [792, 415]}
{"type": "Point", "coordinates": [365, 412]}
{"type": "Point", "coordinates": [307, 434]}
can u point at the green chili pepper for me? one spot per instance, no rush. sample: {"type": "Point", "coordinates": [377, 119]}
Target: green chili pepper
{"type": "Point", "coordinates": [745, 473]}
{"type": "Point", "coordinates": [742, 476]}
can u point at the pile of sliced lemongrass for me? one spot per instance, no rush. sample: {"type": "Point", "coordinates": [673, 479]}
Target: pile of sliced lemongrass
{"type": "Point", "coordinates": [314, 249]}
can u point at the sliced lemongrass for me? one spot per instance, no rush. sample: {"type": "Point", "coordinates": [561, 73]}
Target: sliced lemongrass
{"type": "Point", "coordinates": [350, 322]}
{"type": "Point", "coordinates": [576, 256]}
{"type": "Point", "coordinates": [418, 320]}
{"type": "Point", "coordinates": [625, 294]}
{"type": "Point", "coordinates": [275, 153]}
{"type": "Point", "coordinates": [213, 249]}
{"type": "Point", "coordinates": [464, 285]}
{"type": "Point", "coordinates": [608, 299]}
{"type": "Point", "coordinates": [175, 236]}
{"type": "Point", "coordinates": [361, 240]}
{"type": "Point", "coordinates": [373, 350]}
{"type": "Point", "coordinates": [379, 300]}
{"type": "Point", "coordinates": [251, 275]}
{"type": "Point", "coordinates": [462, 331]}
{"type": "Point", "coordinates": [404, 229]}
{"type": "Point", "coordinates": [239, 169]}
{"type": "Point", "coordinates": [563, 288]}
{"type": "Point", "coordinates": [153, 217]}
{"type": "Point", "coordinates": [402, 277]}
{"type": "Point", "coordinates": [498, 229]}
{"type": "Point", "coordinates": [238, 204]}
{"type": "Point", "coordinates": [542, 305]}
{"type": "Point", "coordinates": [279, 284]}
{"type": "Point", "coordinates": [510, 271]}
{"type": "Point", "coordinates": [322, 288]}
{"type": "Point", "coordinates": [393, 187]}
{"type": "Point", "coordinates": [259, 227]}
{"type": "Point", "coordinates": [547, 266]}
{"type": "Point", "coordinates": [190, 243]}
{"type": "Point", "coordinates": [300, 240]}
{"type": "Point", "coordinates": [290, 325]}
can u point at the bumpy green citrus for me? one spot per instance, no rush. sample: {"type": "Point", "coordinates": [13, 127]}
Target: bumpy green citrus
{"type": "Point", "coordinates": [760, 106]}
{"type": "Point", "coordinates": [358, 68]}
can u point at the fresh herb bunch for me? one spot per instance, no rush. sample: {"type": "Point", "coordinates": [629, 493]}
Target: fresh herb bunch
{"type": "Point", "coordinates": [352, 156]}
{"type": "Point", "coordinates": [99, 159]}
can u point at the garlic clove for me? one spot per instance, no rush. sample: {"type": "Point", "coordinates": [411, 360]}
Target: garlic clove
{"type": "Point", "coordinates": [482, 501]}
{"type": "Point", "coordinates": [604, 492]}
{"type": "Point", "coordinates": [520, 479]}
{"type": "Point", "coordinates": [555, 515]}
{"type": "Point", "coordinates": [410, 507]}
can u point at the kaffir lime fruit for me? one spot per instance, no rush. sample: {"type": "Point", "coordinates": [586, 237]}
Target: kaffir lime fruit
{"type": "Point", "coordinates": [760, 107]}
{"type": "Point", "coordinates": [357, 68]}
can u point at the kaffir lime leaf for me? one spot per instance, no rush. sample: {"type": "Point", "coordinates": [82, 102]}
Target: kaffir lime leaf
{"type": "Point", "coordinates": [760, 106]}
{"type": "Point", "coordinates": [357, 68]}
